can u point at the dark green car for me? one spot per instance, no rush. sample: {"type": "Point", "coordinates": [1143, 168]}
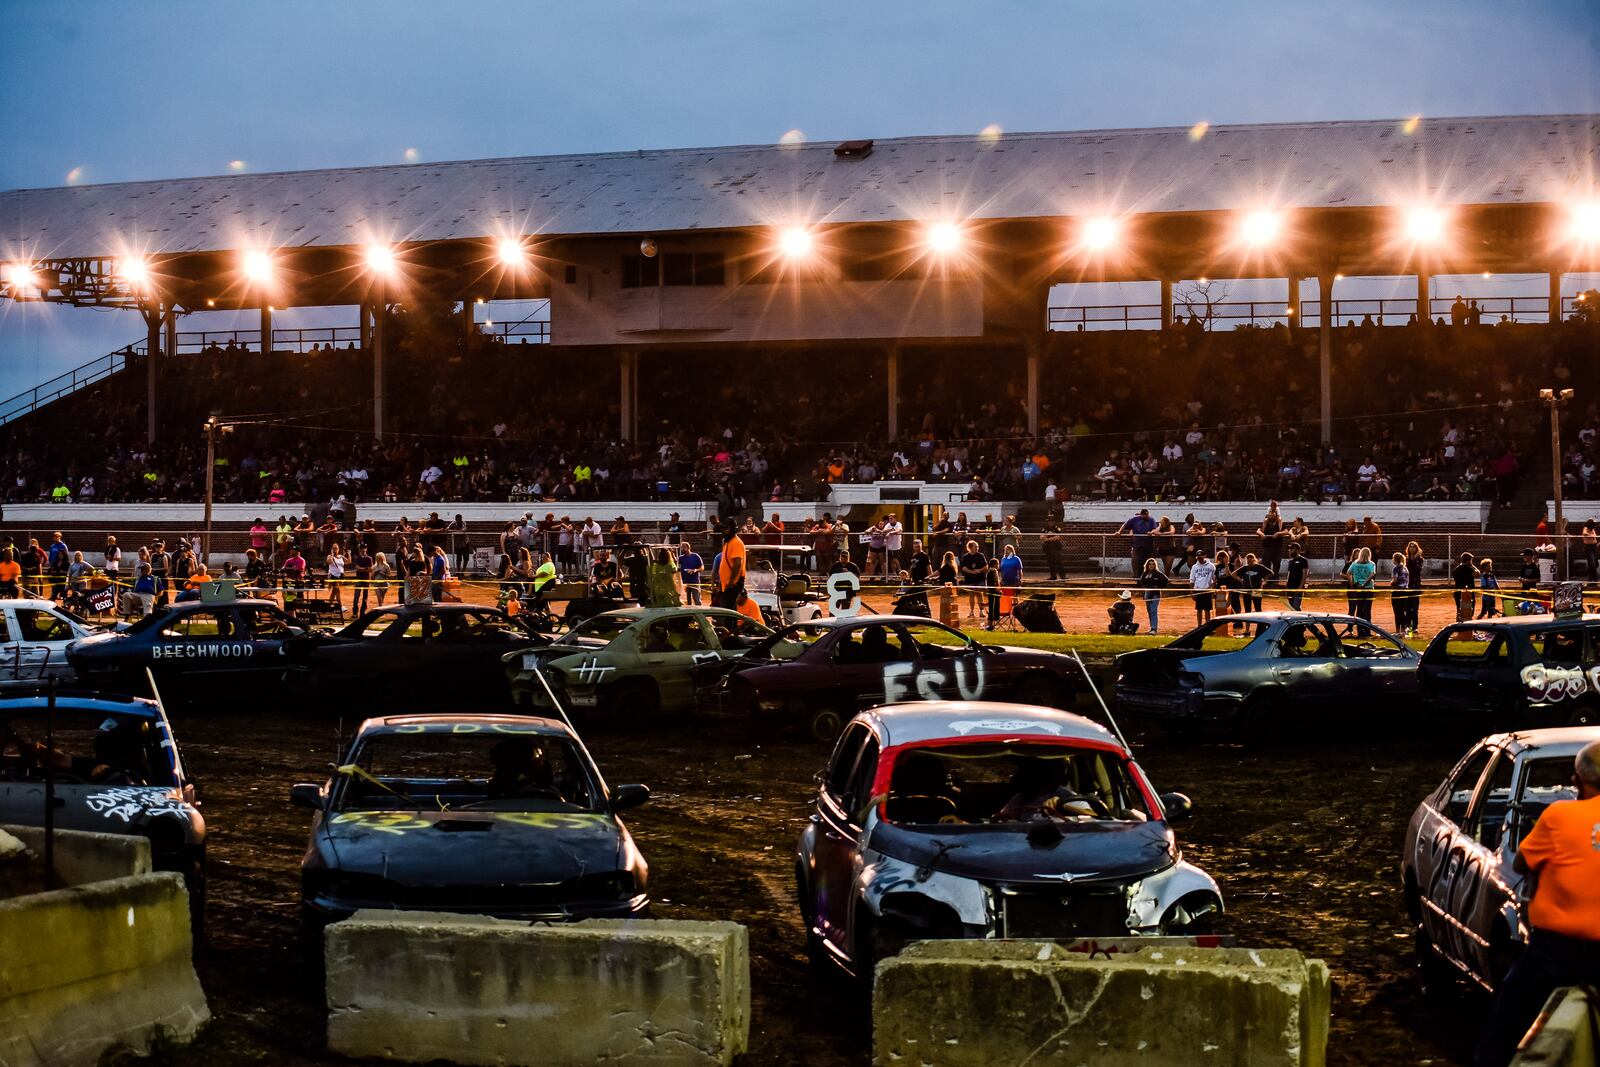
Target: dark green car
{"type": "Point", "coordinates": [633, 660]}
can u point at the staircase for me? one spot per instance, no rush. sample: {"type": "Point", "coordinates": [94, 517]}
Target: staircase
{"type": "Point", "coordinates": [1529, 505]}
{"type": "Point", "coordinates": [96, 370]}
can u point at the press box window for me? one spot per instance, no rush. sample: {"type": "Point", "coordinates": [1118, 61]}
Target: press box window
{"type": "Point", "coordinates": [639, 271]}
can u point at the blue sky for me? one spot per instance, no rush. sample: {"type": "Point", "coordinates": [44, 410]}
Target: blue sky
{"type": "Point", "coordinates": [124, 91]}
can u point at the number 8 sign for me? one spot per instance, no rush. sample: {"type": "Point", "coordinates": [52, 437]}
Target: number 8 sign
{"type": "Point", "coordinates": [844, 594]}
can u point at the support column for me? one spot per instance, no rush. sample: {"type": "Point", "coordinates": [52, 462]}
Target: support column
{"type": "Point", "coordinates": [1292, 305]}
{"type": "Point", "coordinates": [469, 318]}
{"type": "Point", "coordinates": [169, 324]}
{"type": "Point", "coordinates": [1325, 353]}
{"type": "Point", "coordinates": [1555, 296]}
{"type": "Point", "coordinates": [366, 327]}
{"type": "Point", "coordinates": [377, 370]}
{"type": "Point", "coordinates": [633, 393]}
{"type": "Point", "coordinates": [1424, 303]}
{"type": "Point", "coordinates": [266, 329]}
{"type": "Point", "coordinates": [628, 372]}
{"type": "Point", "coordinates": [1035, 345]}
{"type": "Point", "coordinates": [892, 389]}
{"type": "Point", "coordinates": [152, 361]}
{"type": "Point", "coordinates": [1166, 303]}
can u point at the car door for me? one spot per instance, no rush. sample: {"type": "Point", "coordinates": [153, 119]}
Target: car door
{"type": "Point", "coordinates": [1440, 849]}
{"type": "Point", "coordinates": [12, 666]}
{"type": "Point", "coordinates": [1306, 663]}
{"type": "Point", "coordinates": [833, 855]}
{"type": "Point", "coordinates": [670, 646]}
{"type": "Point", "coordinates": [208, 642]}
{"type": "Point", "coordinates": [1473, 891]}
{"type": "Point", "coordinates": [870, 665]}
{"type": "Point", "coordinates": [1471, 668]}
{"type": "Point", "coordinates": [267, 630]}
{"type": "Point", "coordinates": [949, 666]}
{"type": "Point", "coordinates": [41, 637]}
{"type": "Point", "coordinates": [1373, 663]}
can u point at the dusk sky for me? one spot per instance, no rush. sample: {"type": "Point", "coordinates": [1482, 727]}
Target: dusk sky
{"type": "Point", "coordinates": [110, 92]}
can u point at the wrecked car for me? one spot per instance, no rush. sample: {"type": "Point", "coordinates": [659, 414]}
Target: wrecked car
{"type": "Point", "coordinates": [1527, 671]}
{"type": "Point", "coordinates": [1460, 886]}
{"type": "Point", "coordinates": [638, 661]}
{"type": "Point", "coordinates": [34, 635]}
{"type": "Point", "coordinates": [957, 819]}
{"type": "Point", "coordinates": [501, 815]}
{"type": "Point", "coordinates": [114, 768]}
{"type": "Point", "coordinates": [1304, 661]}
{"type": "Point", "coordinates": [814, 676]}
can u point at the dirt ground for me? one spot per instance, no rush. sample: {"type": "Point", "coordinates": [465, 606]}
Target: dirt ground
{"type": "Point", "coordinates": [1303, 837]}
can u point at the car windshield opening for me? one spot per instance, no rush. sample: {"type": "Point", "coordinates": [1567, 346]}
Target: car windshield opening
{"type": "Point", "coordinates": [600, 630]}
{"type": "Point", "coordinates": [486, 769]}
{"type": "Point", "coordinates": [1215, 636]}
{"type": "Point", "coordinates": [1013, 783]}
{"type": "Point", "coordinates": [86, 747]}
{"type": "Point", "coordinates": [788, 644]}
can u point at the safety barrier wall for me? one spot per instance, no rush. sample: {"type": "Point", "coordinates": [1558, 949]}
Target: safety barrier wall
{"type": "Point", "coordinates": [99, 966]}
{"type": "Point", "coordinates": [419, 987]}
{"type": "Point", "coordinates": [1564, 1035]}
{"type": "Point", "coordinates": [976, 1003]}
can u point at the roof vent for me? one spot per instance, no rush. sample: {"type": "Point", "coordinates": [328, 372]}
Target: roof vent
{"type": "Point", "coordinates": [852, 150]}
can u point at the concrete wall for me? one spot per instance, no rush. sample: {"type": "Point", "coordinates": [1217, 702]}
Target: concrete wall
{"type": "Point", "coordinates": [416, 986]}
{"type": "Point", "coordinates": [80, 857]}
{"type": "Point", "coordinates": [97, 967]}
{"type": "Point", "coordinates": [1566, 1036]}
{"type": "Point", "coordinates": [959, 1003]}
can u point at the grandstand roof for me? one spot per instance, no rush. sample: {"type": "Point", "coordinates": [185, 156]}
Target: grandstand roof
{"type": "Point", "coordinates": [1503, 160]}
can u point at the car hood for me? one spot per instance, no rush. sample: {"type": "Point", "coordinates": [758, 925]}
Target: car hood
{"type": "Point", "coordinates": [96, 643]}
{"type": "Point", "coordinates": [1116, 852]}
{"type": "Point", "coordinates": [433, 848]}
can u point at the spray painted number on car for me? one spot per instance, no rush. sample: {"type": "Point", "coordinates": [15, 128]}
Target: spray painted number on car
{"type": "Point", "coordinates": [210, 650]}
{"type": "Point", "coordinates": [903, 680]}
{"type": "Point", "coordinates": [844, 595]}
{"type": "Point", "coordinates": [1550, 684]}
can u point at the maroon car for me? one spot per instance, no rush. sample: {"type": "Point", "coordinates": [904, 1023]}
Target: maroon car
{"type": "Point", "coordinates": [813, 676]}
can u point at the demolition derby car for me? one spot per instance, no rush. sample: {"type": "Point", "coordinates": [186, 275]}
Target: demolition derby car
{"type": "Point", "coordinates": [190, 647]}
{"type": "Point", "coordinates": [34, 635]}
{"type": "Point", "coordinates": [1461, 888]}
{"type": "Point", "coordinates": [814, 676]}
{"type": "Point", "coordinates": [1306, 661]}
{"type": "Point", "coordinates": [410, 653]}
{"type": "Point", "coordinates": [1533, 670]}
{"type": "Point", "coordinates": [113, 767]}
{"type": "Point", "coordinates": [633, 660]}
{"type": "Point", "coordinates": [501, 815]}
{"type": "Point", "coordinates": [963, 819]}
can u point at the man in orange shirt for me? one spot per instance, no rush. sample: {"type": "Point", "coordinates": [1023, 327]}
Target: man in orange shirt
{"type": "Point", "coordinates": [10, 576]}
{"type": "Point", "coordinates": [1561, 854]}
{"type": "Point", "coordinates": [731, 574]}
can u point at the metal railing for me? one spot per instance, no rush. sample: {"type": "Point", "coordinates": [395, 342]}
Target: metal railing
{"type": "Point", "coordinates": [304, 339]}
{"type": "Point", "coordinates": [1384, 311]}
{"type": "Point", "coordinates": [71, 381]}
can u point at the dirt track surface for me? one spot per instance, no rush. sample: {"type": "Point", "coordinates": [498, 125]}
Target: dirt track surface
{"type": "Point", "coordinates": [1303, 837]}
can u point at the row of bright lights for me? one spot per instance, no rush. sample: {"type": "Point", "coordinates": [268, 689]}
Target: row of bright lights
{"type": "Point", "coordinates": [1422, 226]}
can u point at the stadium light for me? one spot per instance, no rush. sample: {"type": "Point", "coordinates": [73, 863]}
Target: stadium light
{"type": "Point", "coordinates": [795, 242]}
{"type": "Point", "coordinates": [1424, 225]}
{"type": "Point", "coordinates": [1260, 228]}
{"type": "Point", "coordinates": [511, 252]}
{"type": "Point", "coordinates": [1583, 223]}
{"type": "Point", "coordinates": [1099, 234]}
{"type": "Point", "coordinates": [134, 270]}
{"type": "Point", "coordinates": [379, 259]}
{"type": "Point", "coordinates": [258, 267]}
{"type": "Point", "coordinates": [21, 276]}
{"type": "Point", "coordinates": [944, 238]}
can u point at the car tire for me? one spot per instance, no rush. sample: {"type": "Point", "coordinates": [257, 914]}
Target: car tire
{"type": "Point", "coordinates": [1585, 715]}
{"type": "Point", "coordinates": [817, 957]}
{"type": "Point", "coordinates": [1041, 690]}
{"type": "Point", "coordinates": [825, 725]}
{"type": "Point", "coordinates": [1438, 977]}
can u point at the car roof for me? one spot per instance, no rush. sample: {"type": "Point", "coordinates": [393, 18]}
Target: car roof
{"type": "Point", "coordinates": [636, 611]}
{"type": "Point", "coordinates": [1553, 740]}
{"type": "Point", "coordinates": [183, 607]}
{"type": "Point", "coordinates": [834, 622]}
{"type": "Point", "coordinates": [1523, 621]}
{"type": "Point", "coordinates": [922, 721]}
{"type": "Point", "coordinates": [32, 602]}
{"type": "Point", "coordinates": [442, 722]}
{"type": "Point", "coordinates": [1287, 616]}
{"type": "Point", "coordinates": [38, 699]}
{"type": "Point", "coordinates": [418, 609]}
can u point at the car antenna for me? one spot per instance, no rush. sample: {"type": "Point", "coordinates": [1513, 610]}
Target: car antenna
{"type": "Point", "coordinates": [538, 672]}
{"type": "Point", "coordinates": [166, 724]}
{"type": "Point", "coordinates": [1102, 702]}
{"type": "Point", "coordinates": [50, 792]}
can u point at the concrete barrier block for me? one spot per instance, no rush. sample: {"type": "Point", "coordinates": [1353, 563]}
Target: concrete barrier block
{"type": "Point", "coordinates": [80, 857]}
{"type": "Point", "coordinates": [419, 986]}
{"type": "Point", "coordinates": [1564, 1035]}
{"type": "Point", "coordinates": [958, 1003]}
{"type": "Point", "coordinates": [97, 967]}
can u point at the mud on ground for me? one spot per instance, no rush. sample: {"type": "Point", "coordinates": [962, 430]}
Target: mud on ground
{"type": "Point", "coordinates": [1304, 838]}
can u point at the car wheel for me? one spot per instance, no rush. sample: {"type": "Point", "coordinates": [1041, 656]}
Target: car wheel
{"type": "Point", "coordinates": [1436, 975]}
{"type": "Point", "coordinates": [1586, 715]}
{"type": "Point", "coordinates": [817, 957]}
{"type": "Point", "coordinates": [825, 725]}
{"type": "Point", "coordinates": [633, 696]}
{"type": "Point", "coordinates": [1193, 916]}
{"type": "Point", "coordinates": [1042, 691]}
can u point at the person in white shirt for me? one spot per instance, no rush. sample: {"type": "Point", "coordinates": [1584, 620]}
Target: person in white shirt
{"type": "Point", "coordinates": [1172, 452]}
{"type": "Point", "coordinates": [892, 534]}
{"type": "Point", "coordinates": [1203, 577]}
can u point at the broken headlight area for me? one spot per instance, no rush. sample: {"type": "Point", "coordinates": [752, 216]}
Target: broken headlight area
{"type": "Point", "coordinates": [1077, 911]}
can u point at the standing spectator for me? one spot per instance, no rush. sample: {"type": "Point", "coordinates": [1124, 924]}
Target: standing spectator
{"type": "Point", "coordinates": [1203, 579]}
{"type": "Point", "coordinates": [458, 541]}
{"type": "Point", "coordinates": [1465, 577]}
{"type": "Point", "coordinates": [10, 575]}
{"type": "Point", "coordinates": [1254, 574]}
{"type": "Point", "coordinates": [1562, 864]}
{"type": "Point", "coordinates": [113, 558]}
{"type": "Point", "coordinates": [1591, 551]}
{"type": "Point", "coordinates": [259, 536]}
{"type": "Point", "coordinates": [974, 576]}
{"type": "Point", "coordinates": [1271, 533]}
{"type": "Point", "coordinates": [919, 566]}
{"type": "Point", "coordinates": [876, 539]}
{"type": "Point", "coordinates": [438, 571]}
{"type": "Point", "coordinates": [1152, 580]}
{"type": "Point", "coordinates": [1010, 569]}
{"type": "Point", "coordinates": [1009, 533]}
{"type": "Point", "coordinates": [361, 568]}
{"type": "Point", "coordinates": [1414, 565]}
{"type": "Point", "coordinates": [991, 583]}
{"type": "Point", "coordinates": [1399, 583]}
{"type": "Point", "coordinates": [772, 530]}
{"type": "Point", "coordinates": [161, 563]}
{"type": "Point", "coordinates": [690, 565]}
{"type": "Point", "coordinates": [57, 561]}
{"type": "Point", "coordinates": [939, 534]}
{"type": "Point", "coordinates": [1360, 575]}
{"type": "Point", "coordinates": [255, 572]}
{"type": "Point", "coordinates": [1528, 577]}
{"type": "Point", "coordinates": [1139, 528]}
{"type": "Point", "coordinates": [294, 569]}
{"type": "Point", "coordinates": [1490, 586]}
{"type": "Point", "coordinates": [335, 565]}
{"type": "Point", "coordinates": [949, 572]}
{"type": "Point", "coordinates": [893, 542]}
{"type": "Point", "coordinates": [1295, 576]}
{"type": "Point", "coordinates": [822, 550]}
{"type": "Point", "coordinates": [1050, 540]}
{"type": "Point", "coordinates": [1228, 579]}
{"type": "Point", "coordinates": [381, 573]}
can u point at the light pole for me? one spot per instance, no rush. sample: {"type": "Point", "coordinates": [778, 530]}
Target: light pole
{"type": "Point", "coordinates": [1555, 398]}
{"type": "Point", "coordinates": [212, 427]}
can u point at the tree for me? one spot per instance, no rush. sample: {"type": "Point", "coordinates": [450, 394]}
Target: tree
{"type": "Point", "coordinates": [1200, 299]}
